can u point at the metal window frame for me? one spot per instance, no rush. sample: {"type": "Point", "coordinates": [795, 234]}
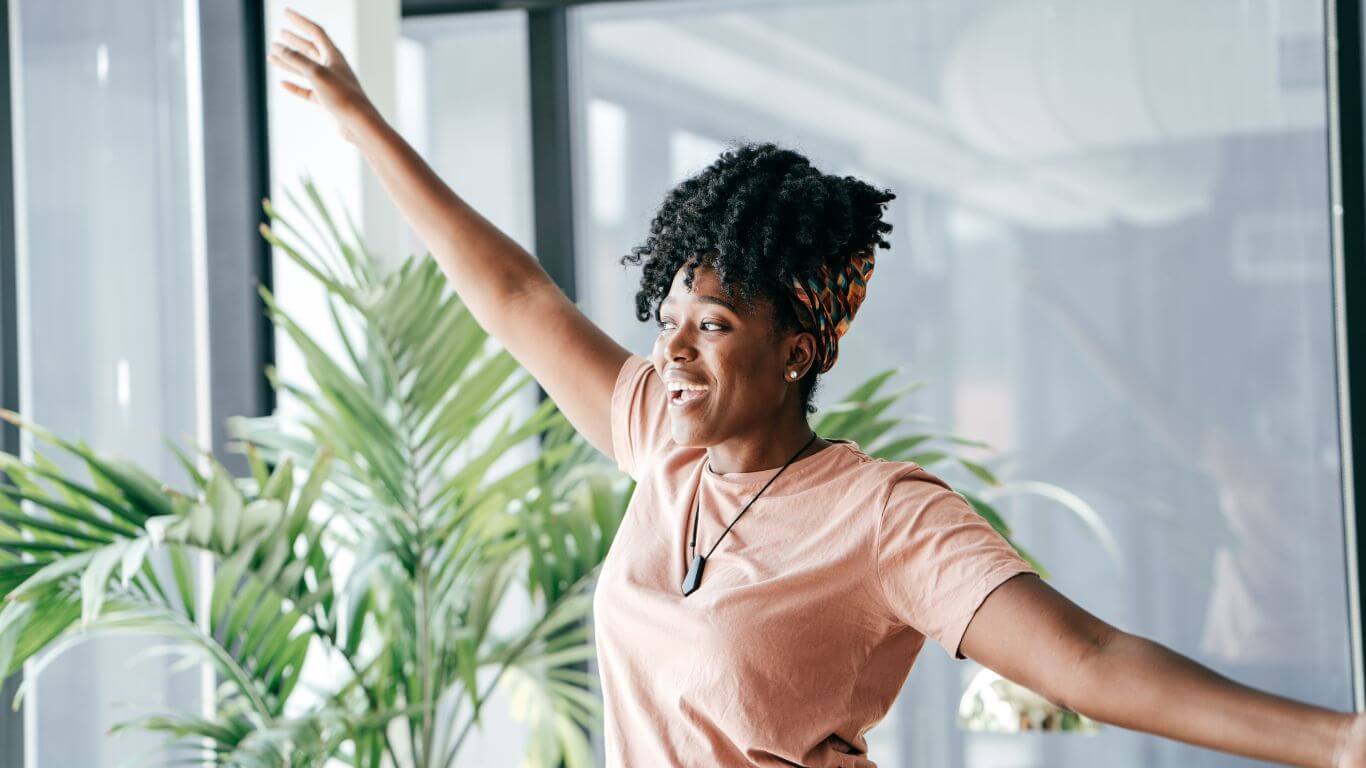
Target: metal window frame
{"type": "Point", "coordinates": [1347, 161]}
{"type": "Point", "coordinates": [552, 176]}
{"type": "Point", "coordinates": [11, 722]}
{"type": "Point", "coordinates": [236, 180]}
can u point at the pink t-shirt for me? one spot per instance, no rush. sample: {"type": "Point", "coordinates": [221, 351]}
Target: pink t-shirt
{"type": "Point", "coordinates": [810, 612]}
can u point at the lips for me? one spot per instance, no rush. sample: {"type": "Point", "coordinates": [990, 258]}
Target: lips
{"type": "Point", "coordinates": [685, 398]}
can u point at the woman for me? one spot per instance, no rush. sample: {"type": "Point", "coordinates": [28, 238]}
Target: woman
{"type": "Point", "coordinates": [779, 635]}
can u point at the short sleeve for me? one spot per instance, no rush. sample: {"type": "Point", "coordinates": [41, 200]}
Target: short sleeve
{"type": "Point", "coordinates": [938, 559]}
{"type": "Point", "coordinates": [639, 415]}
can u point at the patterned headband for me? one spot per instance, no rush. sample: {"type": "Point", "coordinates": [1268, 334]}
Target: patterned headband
{"type": "Point", "coordinates": [827, 303]}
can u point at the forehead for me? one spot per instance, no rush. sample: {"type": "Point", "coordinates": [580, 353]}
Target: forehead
{"type": "Point", "coordinates": [702, 298]}
{"type": "Point", "coordinates": [706, 289]}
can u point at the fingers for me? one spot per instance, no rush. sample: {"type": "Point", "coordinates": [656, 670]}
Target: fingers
{"type": "Point", "coordinates": [293, 61]}
{"type": "Point", "coordinates": [298, 90]}
{"type": "Point", "coordinates": [310, 28]}
{"type": "Point", "coordinates": [302, 44]}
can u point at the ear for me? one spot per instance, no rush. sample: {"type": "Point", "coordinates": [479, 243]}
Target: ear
{"type": "Point", "coordinates": [801, 352]}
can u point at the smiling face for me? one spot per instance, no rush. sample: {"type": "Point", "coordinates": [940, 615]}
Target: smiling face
{"type": "Point", "coordinates": [734, 362]}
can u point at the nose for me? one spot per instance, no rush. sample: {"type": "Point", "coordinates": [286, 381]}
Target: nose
{"type": "Point", "coordinates": [677, 344]}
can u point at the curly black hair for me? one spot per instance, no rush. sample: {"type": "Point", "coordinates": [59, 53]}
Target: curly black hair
{"type": "Point", "coordinates": [759, 215]}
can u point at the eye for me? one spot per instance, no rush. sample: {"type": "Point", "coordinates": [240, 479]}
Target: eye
{"type": "Point", "coordinates": [663, 324]}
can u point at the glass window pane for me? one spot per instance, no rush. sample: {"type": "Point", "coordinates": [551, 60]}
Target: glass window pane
{"type": "Point", "coordinates": [1111, 261]}
{"type": "Point", "coordinates": [106, 336]}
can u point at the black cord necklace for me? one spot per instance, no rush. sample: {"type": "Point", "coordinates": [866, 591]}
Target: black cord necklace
{"type": "Point", "coordinates": [694, 578]}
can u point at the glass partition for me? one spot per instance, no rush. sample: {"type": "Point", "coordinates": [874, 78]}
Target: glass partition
{"type": "Point", "coordinates": [1111, 261]}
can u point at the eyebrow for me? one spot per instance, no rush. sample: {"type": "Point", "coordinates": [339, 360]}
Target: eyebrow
{"type": "Point", "coordinates": [706, 299]}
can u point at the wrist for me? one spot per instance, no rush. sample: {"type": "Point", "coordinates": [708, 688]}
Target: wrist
{"type": "Point", "coordinates": [363, 122]}
{"type": "Point", "coordinates": [1343, 737]}
{"type": "Point", "coordinates": [366, 112]}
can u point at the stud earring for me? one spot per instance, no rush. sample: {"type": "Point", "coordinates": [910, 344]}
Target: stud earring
{"type": "Point", "coordinates": [792, 374]}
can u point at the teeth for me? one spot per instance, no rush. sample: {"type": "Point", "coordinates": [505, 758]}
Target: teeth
{"type": "Point", "coordinates": [683, 395]}
{"type": "Point", "coordinates": [677, 385]}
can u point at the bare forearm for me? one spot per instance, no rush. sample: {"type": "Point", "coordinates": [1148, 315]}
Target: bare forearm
{"type": "Point", "coordinates": [1138, 684]}
{"type": "Point", "coordinates": [486, 268]}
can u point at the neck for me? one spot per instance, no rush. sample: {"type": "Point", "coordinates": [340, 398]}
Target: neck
{"type": "Point", "coordinates": [769, 450]}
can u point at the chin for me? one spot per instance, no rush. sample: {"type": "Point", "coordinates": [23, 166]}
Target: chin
{"type": "Point", "coordinates": [686, 436]}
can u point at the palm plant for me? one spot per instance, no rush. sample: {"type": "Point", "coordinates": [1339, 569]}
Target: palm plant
{"type": "Point", "coordinates": [390, 559]}
{"type": "Point", "coordinates": [372, 535]}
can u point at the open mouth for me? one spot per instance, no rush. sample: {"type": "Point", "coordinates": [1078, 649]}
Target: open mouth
{"type": "Point", "coordinates": [685, 398]}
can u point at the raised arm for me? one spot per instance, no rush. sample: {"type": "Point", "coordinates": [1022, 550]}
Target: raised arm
{"type": "Point", "coordinates": [1031, 634]}
{"type": "Point", "coordinates": [505, 288]}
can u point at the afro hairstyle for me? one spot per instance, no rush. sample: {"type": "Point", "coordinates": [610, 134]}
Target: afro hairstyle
{"type": "Point", "coordinates": [759, 215]}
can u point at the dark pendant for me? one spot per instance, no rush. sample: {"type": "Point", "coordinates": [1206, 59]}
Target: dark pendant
{"type": "Point", "coordinates": [694, 578]}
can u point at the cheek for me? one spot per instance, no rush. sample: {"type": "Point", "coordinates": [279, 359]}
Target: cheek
{"type": "Point", "coordinates": [658, 354]}
{"type": "Point", "coordinates": [748, 381]}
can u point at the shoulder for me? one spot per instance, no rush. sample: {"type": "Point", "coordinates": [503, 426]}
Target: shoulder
{"type": "Point", "coordinates": [912, 482]}
{"type": "Point", "coordinates": [912, 495]}
{"type": "Point", "coordinates": [634, 369]}
{"type": "Point", "coordinates": [639, 415]}
{"type": "Point", "coordinates": [892, 492]}
{"type": "Point", "coordinates": [897, 482]}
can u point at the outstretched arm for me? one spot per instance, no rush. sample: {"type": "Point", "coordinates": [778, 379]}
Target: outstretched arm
{"type": "Point", "coordinates": [1031, 634]}
{"type": "Point", "coordinates": [504, 287]}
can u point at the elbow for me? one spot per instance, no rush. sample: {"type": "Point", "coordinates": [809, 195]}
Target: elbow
{"type": "Point", "coordinates": [1089, 674]}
